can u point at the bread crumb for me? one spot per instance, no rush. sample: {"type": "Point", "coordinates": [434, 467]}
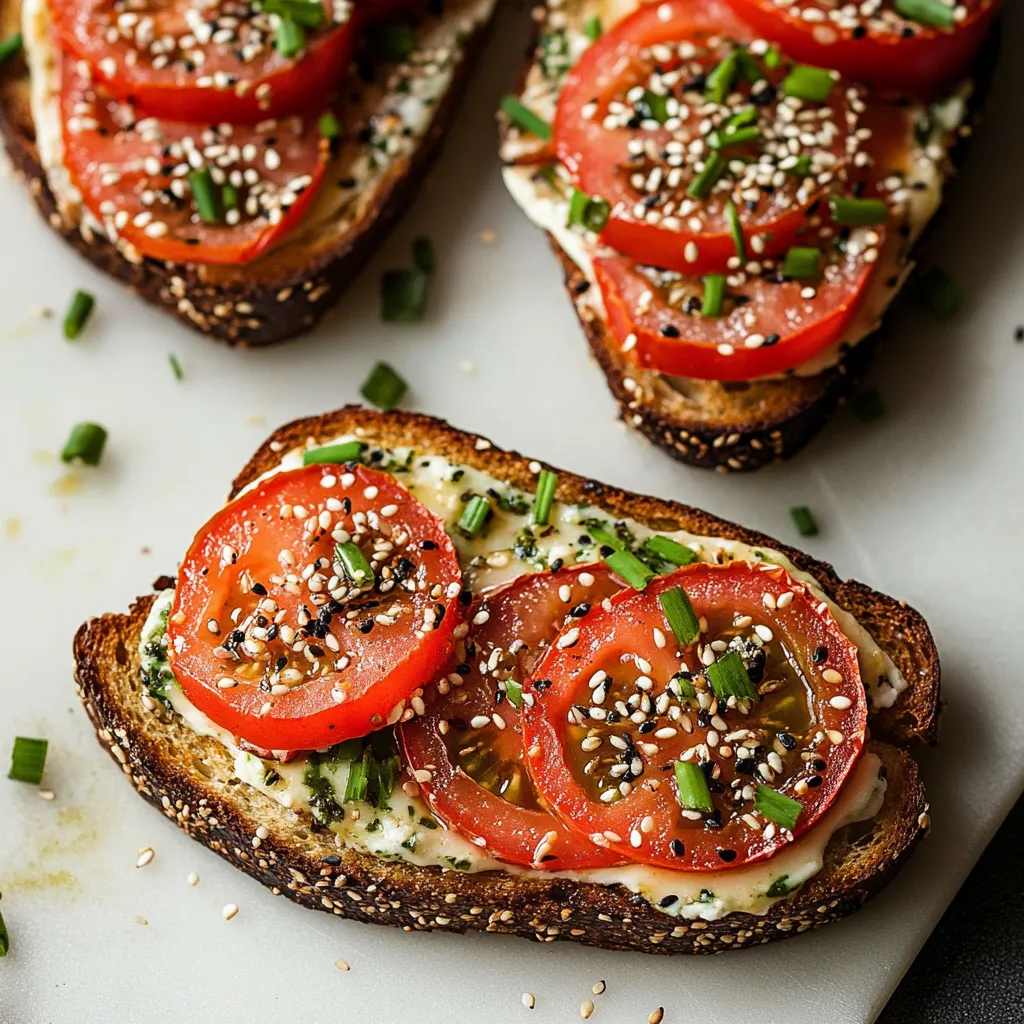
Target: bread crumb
{"type": "Point", "coordinates": [341, 964]}
{"type": "Point", "coordinates": [529, 1001]}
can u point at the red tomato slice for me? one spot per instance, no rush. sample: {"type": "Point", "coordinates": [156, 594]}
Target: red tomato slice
{"type": "Point", "coordinates": [643, 161]}
{"type": "Point", "coordinates": [178, 60]}
{"type": "Point", "coordinates": [270, 636]}
{"type": "Point", "coordinates": [468, 746]}
{"type": "Point", "coordinates": [603, 748]}
{"type": "Point", "coordinates": [882, 49]}
{"type": "Point", "coordinates": [134, 176]}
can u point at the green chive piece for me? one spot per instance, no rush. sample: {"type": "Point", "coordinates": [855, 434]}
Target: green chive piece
{"type": "Point", "coordinates": [179, 373]}
{"type": "Point", "coordinates": [630, 568]}
{"type": "Point", "coordinates": [728, 678]}
{"type": "Point", "coordinates": [522, 117]}
{"type": "Point", "coordinates": [938, 293]}
{"type": "Point", "coordinates": [733, 137]}
{"type": "Point", "coordinates": [5, 938]}
{"type": "Point", "coordinates": [680, 615]}
{"type": "Point", "coordinates": [348, 451]}
{"type": "Point", "coordinates": [354, 562]}
{"type": "Point", "coordinates": [28, 760]}
{"type": "Point", "coordinates": [868, 406]}
{"type": "Point", "coordinates": [808, 83]}
{"type": "Point", "coordinates": [347, 750]}
{"type": "Point", "coordinates": [773, 58]}
{"type": "Point", "coordinates": [423, 254]}
{"type": "Point", "coordinates": [800, 167]}
{"type": "Point", "coordinates": [85, 444]}
{"type": "Point", "coordinates": [776, 806]}
{"type": "Point", "coordinates": [330, 127]}
{"type": "Point", "coordinates": [78, 313]}
{"type": "Point", "coordinates": [653, 106]}
{"type": "Point", "coordinates": [933, 13]}
{"type": "Point", "coordinates": [721, 79]}
{"type": "Point", "coordinates": [476, 512]}
{"type": "Point", "coordinates": [803, 519]}
{"type": "Point", "coordinates": [801, 262]}
{"type": "Point", "coordinates": [10, 46]}
{"type": "Point", "coordinates": [308, 13]}
{"type": "Point", "coordinates": [669, 550]}
{"type": "Point", "coordinates": [290, 38]}
{"type": "Point", "coordinates": [546, 484]}
{"type": "Point", "coordinates": [403, 295]}
{"type": "Point", "coordinates": [682, 685]}
{"type": "Point", "coordinates": [586, 212]}
{"type": "Point", "coordinates": [714, 168]}
{"type": "Point", "coordinates": [732, 215]}
{"type": "Point", "coordinates": [205, 195]}
{"type": "Point", "coordinates": [358, 782]}
{"type": "Point", "coordinates": [391, 42]}
{"type": "Point", "coordinates": [604, 539]}
{"type": "Point", "coordinates": [714, 295]}
{"type": "Point", "coordinates": [858, 212]}
{"type": "Point", "coordinates": [748, 66]}
{"type": "Point", "coordinates": [514, 692]}
{"type": "Point", "coordinates": [229, 197]}
{"type": "Point", "coordinates": [384, 388]}
{"type": "Point", "coordinates": [742, 118]}
{"type": "Point", "coordinates": [692, 787]}
{"type": "Point", "coordinates": [592, 28]}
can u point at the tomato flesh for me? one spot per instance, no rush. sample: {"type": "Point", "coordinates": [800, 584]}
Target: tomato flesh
{"type": "Point", "coordinates": [468, 746]}
{"type": "Point", "coordinates": [273, 639]}
{"type": "Point", "coordinates": [603, 747]}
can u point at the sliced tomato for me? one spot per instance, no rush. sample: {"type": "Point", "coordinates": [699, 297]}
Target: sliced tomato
{"type": "Point", "coordinates": [603, 747]}
{"type": "Point", "coordinates": [134, 175]}
{"type": "Point", "coordinates": [217, 63]}
{"type": "Point", "coordinates": [274, 640]}
{"type": "Point", "coordinates": [881, 48]}
{"type": "Point", "coordinates": [468, 746]}
{"type": "Point", "coordinates": [637, 126]}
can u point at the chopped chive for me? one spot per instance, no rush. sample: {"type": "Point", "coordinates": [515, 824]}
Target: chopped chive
{"type": "Point", "coordinates": [721, 79]}
{"type": "Point", "coordinates": [383, 388]}
{"type": "Point", "coordinates": [714, 295]}
{"type": "Point", "coordinates": [5, 938]}
{"type": "Point", "coordinates": [290, 38]}
{"type": "Point", "coordinates": [714, 168]}
{"type": "Point", "coordinates": [776, 806]}
{"type": "Point", "coordinates": [742, 118]}
{"type": "Point", "coordinates": [938, 293]}
{"type": "Point", "coordinates": [229, 197]}
{"type": "Point", "coordinates": [28, 760]}
{"type": "Point", "coordinates": [868, 406]}
{"type": "Point", "coordinates": [656, 106]}
{"type": "Point", "coordinates": [800, 167]}
{"type": "Point", "coordinates": [779, 887]}
{"type": "Point", "coordinates": [179, 373]}
{"type": "Point", "coordinates": [522, 117]}
{"type": "Point", "coordinates": [474, 515]}
{"type": "Point", "coordinates": [801, 262]}
{"type": "Point", "coordinates": [354, 562]}
{"type": "Point", "coordinates": [803, 518]}
{"type": "Point", "coordinates": [630, 568]}
{"type": "Point", "coordinates": [592, 28]}
{"type": "Point", "coordinates": [391, 42]}
{"type": "Point", "coordinates": [308, 13]}
{"type": "Point", "coordinates": [773, 58]}
{"type": "Point", "coordinates": [205, 195]}
{"type": "Point", "coordinates": [729, 678]}
{"type": "Point", "coordinates": [10, 46]}
{"type": "Point", "coordinates": [347, 750]}
{"type": "Point", "coordinates": [605, 539]}
{"type": "Point", "coordinates": [330, 127]}
{"type": "Point", "coordinates": [748, 66]}
{"type": "Point", "coordinates": [358, 782]}
{"type": "Point", "coordinates": [732, 215]}
{"type": "Point", "coordinates": [85, 444]}
{"type": "Point", "coordinates": [808, 83]}
{"type": "Point", "coordinates": [933, 13]}
{"type": "Point", "coordinates": [670, 550]}
{"type": "Point", "coordinates": [78, 313]}
{"type": "Point", "coordinates": [586, 212]}
{"type": "Point", "coordinates": [514, 692]}
{"type": "Point", "coordinates": [858, 212]}
{"type": "Point", "coordinates": [733, 137]}
{"type": "Point", "coordinates": [423, 254]}
{"type": "Point", "coordinates": [546, 484]}
{"type": "Point", "coordinates": [692, 787]}
{"type": "Point", "coordinates": [682, 684]}
{"type": "Point", "coordinates": [403, 295]}
{"type": "Point", "coordinates": [349, 451]}
{"type": "Point", "coordinates": [680, 615]}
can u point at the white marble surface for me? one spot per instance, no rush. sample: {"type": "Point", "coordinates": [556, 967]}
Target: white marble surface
{"type": "Point", "coordinates": [925, 504]}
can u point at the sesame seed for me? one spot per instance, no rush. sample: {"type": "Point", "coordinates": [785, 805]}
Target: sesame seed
{"type": "Point", "coordinates": [529, 1000]}
{"type": "Point", "coordinates": [230, 911]}
{"type": "Point", "coordinates": [341, 964]}
{"type": "Point", "coordinates": [146, 854]}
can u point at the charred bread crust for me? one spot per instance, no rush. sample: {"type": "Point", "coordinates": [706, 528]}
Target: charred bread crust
{"type": "Point", "coordinates": [240, 308]}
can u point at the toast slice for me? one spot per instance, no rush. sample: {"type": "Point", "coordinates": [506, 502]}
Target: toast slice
{"type": "Point", "coordinates": [285, 291]}
{"type": "Point", "coordinates": [192, 779]}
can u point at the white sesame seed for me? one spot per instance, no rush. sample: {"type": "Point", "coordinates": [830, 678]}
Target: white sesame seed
{"type": "Point", "coordinates": [229, 911]}
{"type": "Point", "coordinates": [146, 854]}
{"type": "Point", "coordinates": [841, 703]}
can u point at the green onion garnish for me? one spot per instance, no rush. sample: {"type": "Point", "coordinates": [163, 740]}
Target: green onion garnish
{"type": "Point", "coordinates": [692, 787]}
{"type": "Point", "coordinates": [682, 686]}
{"type": "Point", "coordinates": [630, 568]}
{"type": "Point", "coordinates": [732, 215]}
{"type": "Point", "coordinates": [933, 13]}
{"type": "Point", "coordinates": [592, 28]}
{"type": "Point", "coordinates": [78, 313]}
{"type": "Point", "coordinates": [721, 79]}
{"type": "Point", "coordinates": [801, 262]}
{"type": "Point", "coordinates": [714, 168]}
{"type": "Point", "coordinates": [330, 127]}
{"type": "Point", "coordinates": [474, 515]}
{"type": "Point", "coordinates": [403, 295]}
{"type": "Point", "coordinates": [868, 406]}
{"type": "Point", "coordinates": [714, 295]}
{"type": "Point", "coordinates": [514, 692]}
{"type": "Point", "coordinates": [358, 781]}
{"type": "Point", "coordinates": [938, 293]}
{"type": "Point", "coordinates": [776, 806]}
{"type": "Point", "coordinates": [349, 451]}
{"type": "Point", "coordinates": [803, 518]}
{"type": "Point", "coordinates": [347, 750]}
{"type": "Point", "coordinates": [656, 106]}
{"type": "Point", "coordinates": [680, 614]}
{"type": "Point", "coordinates": [779, 887]}
{"type": "Point", "coordinates": [604, 539]}
{"type": "Point", "coordinates": [391, 42]}
{"type": "Point", "coordinates": [9, 47]}
{"type": "Point", "coordinates": [354, 562]}
{"type": "Point", "coordinates": [733, 137]}
{"type": "Point", "coordinates": [801, 166]}
{"type": "Point", "coordinates": [670, 550]}
{"type": "Point", "coordinates": [728, 678]}
{"type": "Point", "coordinates": [383, 388]}
{"type": "Point", "coordinates": [748, 115]}
{"type": "Point", "coordinates": [773, 58]}
{"type": "Point", "coordinates": [522, 117]}
{"type": "Point", "coordinates": [290, 39]}
{"type": "Point", "coordinates": [5, 938]}
{"type": "Point", "coordinates": [423, 254]}
{"type": "Point", "coordinates": [229, 196]}
{"type": "Point", "coordinates": [808, 83]}
{"type": "Point", "coordinates": [858, 212]}
{"type": "Point", "coordinates": [308, 13]}
{"type": "Point", "coordinates": [179, 373]}
{"type": "Point", "coordinates": [85, 444]}
{"type": "Point", "coordinates": [589, 213]}
{"type": "Point", "coordinates": [546, 484]}
{"type": "Point", "coordinates": [205, 195]}
{"type": "Point", "coordinates": [28, 760]}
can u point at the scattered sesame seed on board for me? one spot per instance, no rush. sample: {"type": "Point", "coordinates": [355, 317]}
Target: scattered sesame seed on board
{"type": "Point", "coordinates": [47, 794]}
{"type": "Point", "coordinates": [342, 964]}
{"type": "Point", "coordinates": [599, 987]}
{"type": "Point", "coordinates": [657, 1016]}
{"type": "Point", "coordinates": [193, 878]}
{"type": "Point", "coordinates": [139, 919]}
{"type": "Point", "coordinates": [229, 911]}
{"type": "Point", "coordinates": [529, 1001]}
{"type": "Point", "coordinates": [146, 854]}
{"type": "Point", "coordinates": [586, 1008]}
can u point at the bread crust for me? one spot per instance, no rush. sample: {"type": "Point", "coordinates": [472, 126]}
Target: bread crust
{"type": "Point", "coordinates": [190, 778]}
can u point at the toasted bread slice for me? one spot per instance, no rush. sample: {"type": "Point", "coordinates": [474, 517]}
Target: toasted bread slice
{"type": "Point", "coordinates": [284, 292]}
{"type": "Point", "coordinates": [191, 778]}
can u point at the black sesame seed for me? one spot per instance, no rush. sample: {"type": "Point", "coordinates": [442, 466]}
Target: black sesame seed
{"type": "Point", "coordinates": [331, 858]}
{"type": "Point", "coordinates": [815, 781]}
{"type": "Point", "coordinates": [428, 545]}
{"type": "Point", "coordinates": [649, 726]}
{"type": "Point", "coordinates": [258, 588]}
{"type": "Point", "coordinates": [817, 765]}
{"type": "Point", "coordinates": [745, 766]}
{"type": "Point", "coordinates": [365, 626]}
{"type": "Point", "coordinates": [787, 740]}
{"type": "Point", "coordinates": [557, 564]}
{"type": "Point", "coordinates": [670, 331]}
{"type": "Point", "coordinates": [820, 655]}
{"type": "Point", "coordinates": [466, 597]}
{"type": "Point", "coordinates": [677, 848]}
{"type": "Point", "coordinates": [580, 610]}
{"type": "Point", "coordinates": [667, 901]}
{"type": "Point", "coordinates": [580, 287]}
{"type": "Point", "coordinates": [727, 855]}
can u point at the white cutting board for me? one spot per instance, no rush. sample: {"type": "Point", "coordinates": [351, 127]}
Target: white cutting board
{"type": "Point", "coordinates": [924, 504]}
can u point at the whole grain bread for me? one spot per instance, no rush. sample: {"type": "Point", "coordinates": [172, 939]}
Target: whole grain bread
{"type": "Point", "coordinates": [191, 778]}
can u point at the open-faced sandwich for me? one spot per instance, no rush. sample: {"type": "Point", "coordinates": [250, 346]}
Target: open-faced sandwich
{"type": "Point", "coordinates": [734, 190]}
{"type": "Point", "coordinates": [233, 161]}
{"type": "Point", "coordinates": [409, 678]}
